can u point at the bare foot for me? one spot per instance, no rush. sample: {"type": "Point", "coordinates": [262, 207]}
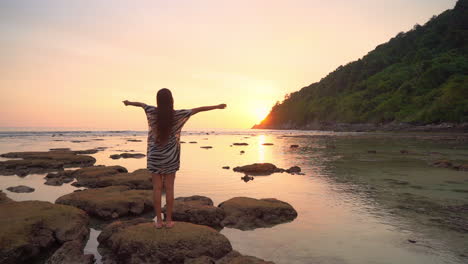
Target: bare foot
{"type": "Point", "coordinates": [158, 225]}
{"type": "Point", "coordinates": [169, 224]}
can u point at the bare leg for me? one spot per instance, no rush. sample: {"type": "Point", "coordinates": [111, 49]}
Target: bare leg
{"type": "Point", "coordinates": [169, 186]}
{"type": "Point", "coordinates": [157, 191]}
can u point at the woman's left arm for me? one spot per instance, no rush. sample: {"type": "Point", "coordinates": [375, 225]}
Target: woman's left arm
{"type": "Point", "coordinates": [207, 108]}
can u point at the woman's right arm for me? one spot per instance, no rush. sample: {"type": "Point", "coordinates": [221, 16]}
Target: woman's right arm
{"type": "Point", "coordinates": [126, 102]}
{"type": "Point", "coordinates": [207, 108]}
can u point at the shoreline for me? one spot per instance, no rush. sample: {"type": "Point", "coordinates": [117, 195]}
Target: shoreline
{"type": "Point", "coordinates": [371, 127]}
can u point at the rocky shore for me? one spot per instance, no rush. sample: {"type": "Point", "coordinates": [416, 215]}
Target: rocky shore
{"type": "Point", "coordinates": [370, 127]}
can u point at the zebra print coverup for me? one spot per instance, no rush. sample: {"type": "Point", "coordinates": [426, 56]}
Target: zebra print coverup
{"type": "Point", "coordinates": [165, 159]}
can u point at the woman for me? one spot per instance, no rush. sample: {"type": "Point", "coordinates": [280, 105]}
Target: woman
{"type": "Point", "coordinates": [163, 153]}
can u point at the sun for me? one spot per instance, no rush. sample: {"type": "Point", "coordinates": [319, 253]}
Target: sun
{"type": "Point", "coordinates": [261, 113]}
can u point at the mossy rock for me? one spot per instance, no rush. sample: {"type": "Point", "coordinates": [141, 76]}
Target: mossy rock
{"type": "Point", "coordinates": [235, 257]}
{"type": "Point", "coordinates": [4, 198]}
{"type": "Point", "coordinates": [32, 229]}
{"type": "Point", "coordinates": [248, 213]}
{"type": "Point", "coordinates": [41, 162]}
{"type": "Point", "coordinates": [138, 241]}
{"type": "Point", "coordinates": [197, 210]}
{"type": "Point", "coordinates": [139, 179]}
{"type": "Point", "coordinates": [83, 175]}
{"type": "Point", "coordinates": [258, 169]}
{"type": "Point", "coordinates": [110, 202]}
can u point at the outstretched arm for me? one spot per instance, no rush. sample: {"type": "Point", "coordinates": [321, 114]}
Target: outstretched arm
{"type": "Point", "coordinates": [126, 102]}
{"type": "Point", "coordinates": [207, 108]}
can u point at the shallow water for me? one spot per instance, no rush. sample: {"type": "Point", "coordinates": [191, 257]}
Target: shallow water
{"type": "Point", "coordinates": [347, 201]}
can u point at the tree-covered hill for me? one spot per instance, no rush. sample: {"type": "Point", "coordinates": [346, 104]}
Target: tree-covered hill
{"type": "Point", "coordinates": [418, 77]}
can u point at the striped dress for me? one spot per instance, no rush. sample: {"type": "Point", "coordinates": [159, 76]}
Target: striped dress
{"type": "Point", "coordinates": [165, 159]}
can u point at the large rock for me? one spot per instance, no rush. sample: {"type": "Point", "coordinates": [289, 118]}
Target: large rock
{"type": "Point", "coordinates": [232, 257]}
{"type": "Point", "coordinates": [110, 202]}
{"type": "Point", "coordinates": [258, 169]}
{"type": "Point", "coordinates": [83, 175]}
{"type": "Point", "coordinates": [4, 198]}
{"type": "Point", "coordinates": [20, 189]}
{"type": "Point", "coordinates": [127, 156]}
{"type": "Point", "coordinates": [235, 257]}
{"type": "Point", "coordinates": [71, 252]}
{"type": "Point", "coordinates": [32, 229]}
{"type": "Point", "coordinates": [41, 162]}
{"type": "Point", "coordinates": [138, 241]}
{"type": "Point", "coordinates": [139, 179]}
{"type": "Point", "coordinates": [248, 213]}
{"type": "Point", "coordinates": [197, 210]}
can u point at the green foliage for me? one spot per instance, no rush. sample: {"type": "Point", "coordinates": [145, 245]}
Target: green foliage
{"type": "Point", "coordinates": [420, 76]}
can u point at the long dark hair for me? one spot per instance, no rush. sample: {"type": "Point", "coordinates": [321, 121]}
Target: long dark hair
{"type": "Point", "coordinates": [164, 117]}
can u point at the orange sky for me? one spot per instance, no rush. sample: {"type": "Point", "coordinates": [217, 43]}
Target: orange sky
{"type": "Point", "coordinates": [71, 63]}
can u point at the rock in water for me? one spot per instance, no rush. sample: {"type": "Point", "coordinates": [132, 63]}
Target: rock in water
{"type": "Point", "coordinates": [127, 156]}
{"type": "Point", "coordinates": [4, 198]}
{"type": "Point", "coordinates": [197, 210]}
{"type": "Point", "coordinates": [258, 169]}
{"type": "Point", "coordinates": [110, 202]}
{"type": "Point", "coordinates": [41, 162]}
{"type": "Point", "coordinates": [235, 257]}
{"type": "Point", "coordinates": [96, 177]}
{"type": "Point", "coordinates": [31, 229]}
{"type": "Point", "coordinates": [20, 189]}
{"type": "Point", "coordinates": [294, 169]}
{"type": "Point", "coordinates": [240, 144]}
{"type": "Point", "coordinates": [248, 213]}
{"type": "Point", "coordinates": [138, 241]}
{"type": "Point", "coordinates": [71, 252]}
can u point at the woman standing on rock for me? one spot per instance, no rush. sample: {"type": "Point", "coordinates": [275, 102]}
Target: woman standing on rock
{"type": "Point", "coordinates": [163, 153]}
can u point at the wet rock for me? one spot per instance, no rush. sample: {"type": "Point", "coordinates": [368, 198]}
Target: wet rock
{"type": "Point", "coordinates": [197, 210]}
{"type": "Point", "coordinates": [134, 140]}
{"type": "Point", "coordinates": [110, 202]}
{"type": "Point", "coordinates": [31, 229]}
{"type": "Point", "coordinates": [442, 164]}
{"type": "Point", "coordinates": [59, 149]}
{"type": "Point", "coordinates": [248, 213]}
{"type": "Point", "coordinates": [235, 257]}
{"type": "Point", "coordinates": [294, 146]}
{"type": "Point", "coordinates": [226, 167]}
{"type": "Point", "coordinates": [247, 178]}
{"type": "Point", "coordinates": [4, 198]}
{"type": "Point", "coordinates": [206, 147]}
{"type": "Point", "coordinates": [41, 162]}
{"type": "Point", "coordinates": [258, 169]}
{"type": "Point", "coordinates": [267, 144]}
{"type": "Point", "coordinates": [71, 252]}
{"type": "Point", "coordinates": [139, 179]}
{"type": "Point", "coordinates": [461, 167]}
{"type": "Point", "coordinates": [240, 144]}
{"type": "Point", "coordinates": [294, 170]}
{"type": "Point", "coordinates": [169, 246]}
{"type": "Point", "coordinates": [20, 189]}
{"type": "Point", "coordinates": [397, 182]}
{"type": "Point", "coordinates": [127, 156]}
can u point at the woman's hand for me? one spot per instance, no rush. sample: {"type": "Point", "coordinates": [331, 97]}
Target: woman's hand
{"type": "Point", "coordinates": [222, 106]}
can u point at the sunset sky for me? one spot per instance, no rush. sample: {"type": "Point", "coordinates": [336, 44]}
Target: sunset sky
{"type": "Point", "coordinates": [71, 63]}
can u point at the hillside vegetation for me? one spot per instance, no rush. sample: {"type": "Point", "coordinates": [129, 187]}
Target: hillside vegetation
{"type": "Point", "coordinates": [419, 77]}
